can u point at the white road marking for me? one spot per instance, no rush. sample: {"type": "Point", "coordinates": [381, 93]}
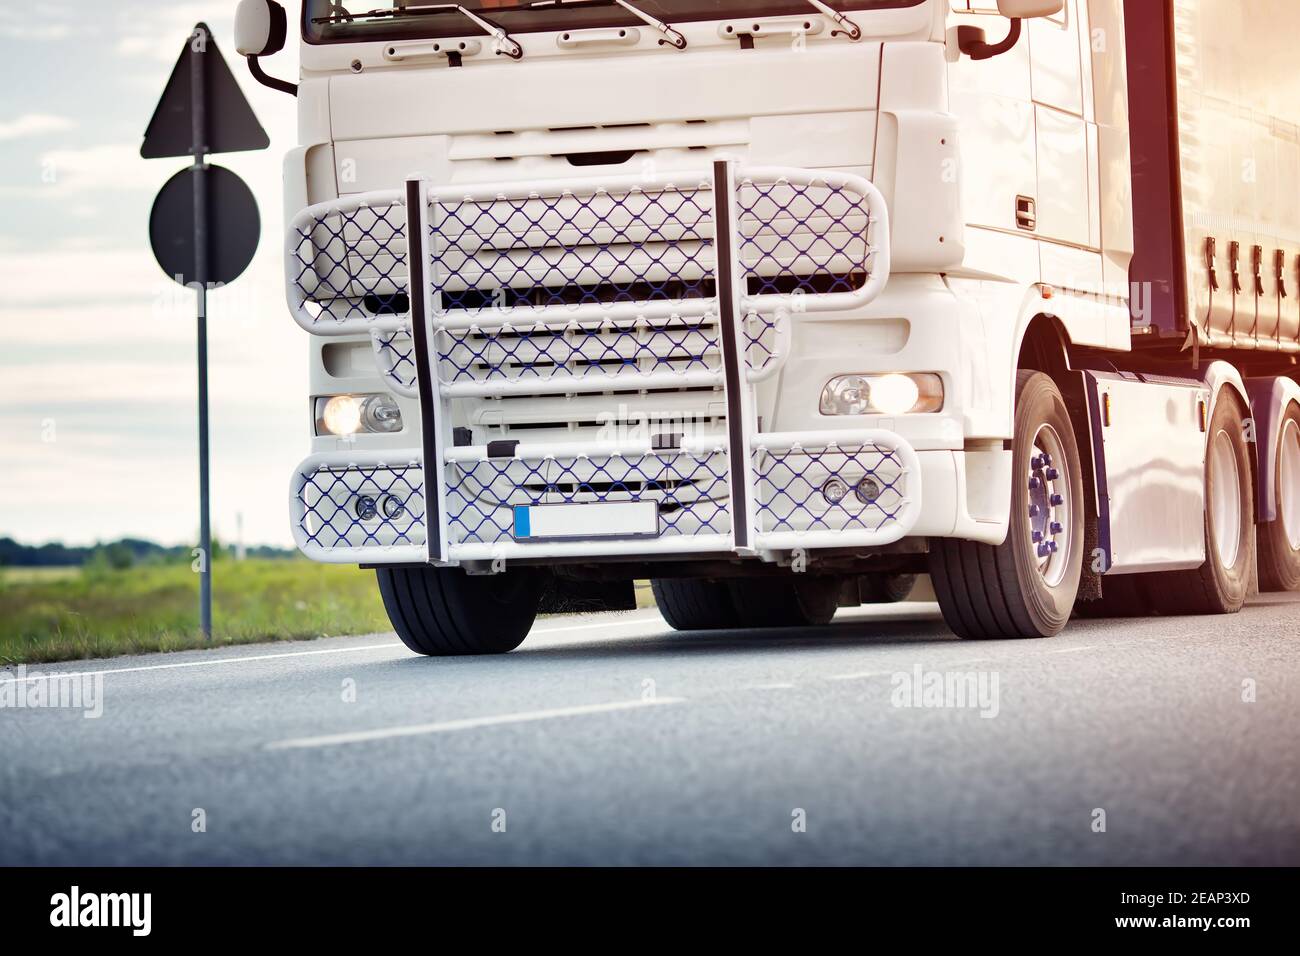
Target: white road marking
{"type": "Point", "coordinates": [471, 723]}
{"type": "Point", "coordinates": [253, 658]}
{"type": "Point", "coordinates": [46, 675]}
{"type": "Point", "coordinates": [769, 687]}
{"type": "Point", "coordinates": [605, 624]}
{"type": "Point", "coordinates": [861, 675]}
{"type": "Point", "coordinates": [1076, 650]}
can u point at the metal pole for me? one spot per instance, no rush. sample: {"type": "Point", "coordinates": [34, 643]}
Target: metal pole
{"type": "Point", "coordinates": [735, 379]}
{"type": "Point", "coordinates": [199, 132]}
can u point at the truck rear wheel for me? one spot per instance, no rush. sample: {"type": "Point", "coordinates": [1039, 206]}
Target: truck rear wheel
{"type": "Point", "coordinates": [885, 588]}
{"type": "Point", "coordinates": [1122, 595]}
{"type": "Point", "coordinates": [444, 611]}
{"type": "Point", "coordinates": [785, 602]}
{"type": "Point", "coordinates": [690, 604]}
{"type": "Point", "coordinates": [1279, 539]}
{"type": "Point", "coordinates": [1026, 586]}
{"type": "Point", "coordinates": [1222, 583]}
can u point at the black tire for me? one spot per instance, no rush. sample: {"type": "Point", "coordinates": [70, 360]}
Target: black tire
{"type": "Point", "coordinates": [988, 592]}
{"type": "Point", "coordinates": [1214, 587]}
{"type": "Point", "coordinates": [690, 604]}
{"type": "Point", "coordinates": [785, 602]}
{"type": "Point", "coordinates": [444, 611]}
{"type": "Point", "coordinates": [885, 588]}
{"type": "Point", "coordinates": [1279, 558]}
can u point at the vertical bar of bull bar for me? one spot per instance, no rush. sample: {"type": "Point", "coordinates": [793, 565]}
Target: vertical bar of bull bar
{"type": "Point", "coordinates": [730, 307]}
{"type": "Point", "coordinates": [425, 370]}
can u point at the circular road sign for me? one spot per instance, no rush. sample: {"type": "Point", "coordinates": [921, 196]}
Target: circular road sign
{"type": "Point", "coordinates": [233, 225]}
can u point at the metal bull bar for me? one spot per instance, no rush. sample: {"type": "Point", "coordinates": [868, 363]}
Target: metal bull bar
{"type": "Point", "coordinates": [549, 288]}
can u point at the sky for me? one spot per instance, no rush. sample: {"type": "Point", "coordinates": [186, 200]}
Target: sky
{"type": "Point", "coordinates": [98, 433]}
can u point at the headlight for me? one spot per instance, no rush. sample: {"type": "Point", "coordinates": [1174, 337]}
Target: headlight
{"type": "Point", "coordinates": [893, 393]}
{"type": "Point", "coordinates": [345, 415]}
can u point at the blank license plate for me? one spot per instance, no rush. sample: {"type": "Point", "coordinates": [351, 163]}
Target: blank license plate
{"type": "Point", "coordinates": [613, 519]}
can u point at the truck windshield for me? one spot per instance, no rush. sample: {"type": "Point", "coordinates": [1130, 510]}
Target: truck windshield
{"type": "Point", "coordinates": [326, 21]}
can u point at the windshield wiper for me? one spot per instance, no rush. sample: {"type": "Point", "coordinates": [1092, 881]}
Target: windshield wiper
{"type": "Point", "coordinates": [847, 26]}
{"type": "Point", "coordinates": [504, 42]}
{"type": "Point", "coordinates": [674, 36]}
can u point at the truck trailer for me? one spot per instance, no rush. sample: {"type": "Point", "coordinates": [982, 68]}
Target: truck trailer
{"type": "Point", "coordinates": [781, 303]}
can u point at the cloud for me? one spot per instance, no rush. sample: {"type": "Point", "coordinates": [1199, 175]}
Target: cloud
{"type": "Point", "coordinates": [159, 33]}
{"type": "Point", "coordinates": [107, 168]}
{"type": "Point", "coordinates": [50, 31]}
{"type": "Point", "coordinates": [34, 124]}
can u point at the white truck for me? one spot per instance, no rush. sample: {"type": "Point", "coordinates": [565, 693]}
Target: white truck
{"type": "Point", "coordinates": [779, 303]}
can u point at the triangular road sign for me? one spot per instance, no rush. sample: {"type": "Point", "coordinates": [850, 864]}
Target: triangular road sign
{"type": "Point", "coordinates": [231, 125]}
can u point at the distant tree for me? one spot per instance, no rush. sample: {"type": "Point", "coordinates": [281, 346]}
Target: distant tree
{"type": "Point", "coordinates": [119, 555]}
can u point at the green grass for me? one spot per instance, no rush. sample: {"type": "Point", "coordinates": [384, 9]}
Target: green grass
{"type": "Point", "coordinates": [66, 614]}
{"type": "Point", "coordinates": [36, 575]}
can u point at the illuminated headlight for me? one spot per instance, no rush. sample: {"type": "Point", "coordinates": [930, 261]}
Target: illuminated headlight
{"type": "Point", "coordinates": [345, 415]}
{"type": "Point", "coordinates": [893, 393]}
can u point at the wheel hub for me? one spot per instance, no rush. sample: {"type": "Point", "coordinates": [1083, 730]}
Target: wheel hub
{"type": "Point", "coordinates": [1225, 498]}
{"type": "Point", "coordinates": [1049, 506]}
{"type": "Point", "coordinates": [1289, 484]}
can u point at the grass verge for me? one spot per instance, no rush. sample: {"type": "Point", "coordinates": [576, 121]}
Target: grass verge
{"type": "Point", "coordinates": [98, 612]}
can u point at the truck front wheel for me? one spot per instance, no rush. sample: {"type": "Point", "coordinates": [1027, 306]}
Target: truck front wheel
{"type": "Point", "coordinates": [693, 604]}
{"type": "Point", "coordinates": [1026, 586]}
{"type": "Point", "coordinates": [444, 611]}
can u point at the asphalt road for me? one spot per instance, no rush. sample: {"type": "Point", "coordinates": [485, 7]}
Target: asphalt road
{"type": "Point", "coordinates": [613, 740]}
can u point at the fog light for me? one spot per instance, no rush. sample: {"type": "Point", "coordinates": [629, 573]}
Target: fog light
{"type": "Point", "coordinates": [341, 416]}
{"type": "Point", "coordinates": [891, 393]}
{"type": "Point", "coordinates": [391, 507]}
{"type": "Point", "coordinates": [867, 490]}
{"type": "Point", "coordinates": [834, 491]}
{"type": "Point", "coordinates": [364, 507]}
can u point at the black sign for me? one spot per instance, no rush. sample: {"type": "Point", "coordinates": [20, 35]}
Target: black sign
{"type": "Point", "coordinates": [230, 126]}
{"type": "Point", "coordinates": [233, 225]}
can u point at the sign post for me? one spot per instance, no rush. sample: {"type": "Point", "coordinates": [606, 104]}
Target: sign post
{"type": "Point", "coordinates": [198, 126]}
{"type": "Point", "coordinates": [204, 225]}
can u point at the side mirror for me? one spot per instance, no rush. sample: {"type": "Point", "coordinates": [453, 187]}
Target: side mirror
{"type": "Point", "coordinates": [260, 27]}
{"type": "Point", "coordinates": [971, 39]}
{"type": "Point", "coordinates": [1029, 9]}
{"type": "Point", "coordinates": [260, 30]}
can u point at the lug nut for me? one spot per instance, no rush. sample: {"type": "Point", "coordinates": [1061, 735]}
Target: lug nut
{"type": "Point", "coordinates": [1052, 474]}
{"type": "Point", "coordinates": [1033, 483]}
{"type": "Point", "coordinates": [1057, 501]}
{"type": "Point", "coordinates": [1033, 511]}
{"type": "Point", "coordinates": [1036, 537]}
{"type": "Point", "coordinates": [1057, 527]}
